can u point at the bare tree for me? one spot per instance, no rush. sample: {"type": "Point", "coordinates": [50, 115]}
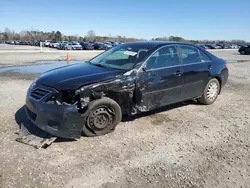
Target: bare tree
{"type": "Point", "coordinates": [58, 36]}
{"type": "Point", "coordinates": [1, 35]}
{"type": "Point", "coordinates": [91, 35]}
{"type": "Point", "coordinates": [7, 34]}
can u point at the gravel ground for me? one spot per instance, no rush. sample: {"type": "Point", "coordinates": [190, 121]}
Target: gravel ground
{"type": "Point", "coordinates": [184, 145]}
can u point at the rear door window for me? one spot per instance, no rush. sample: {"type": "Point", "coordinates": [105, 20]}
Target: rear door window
{"type": "Point", "coordinates": [189, 55]}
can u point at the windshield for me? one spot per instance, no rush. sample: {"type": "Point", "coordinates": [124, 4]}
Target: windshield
{"type": "Point", "coordinates": [123, 57]}
{"type": "Point", "coordinates": [75, 43]}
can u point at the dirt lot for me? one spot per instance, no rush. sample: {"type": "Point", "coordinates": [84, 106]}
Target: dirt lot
{"type": "Point", "coordinates": [185, 145]}
{"type": "Point", "coordinates": [18, 55]}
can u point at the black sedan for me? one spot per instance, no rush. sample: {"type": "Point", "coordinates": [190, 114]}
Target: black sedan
{"type": "Point", "coordinates": [91, 97]}
{"type": "Point", "coordinates": [87, 46]}
{"type": "Point", "coordinates": [101, 46]}
{"type": "Point", "coordinates": [244, 49]}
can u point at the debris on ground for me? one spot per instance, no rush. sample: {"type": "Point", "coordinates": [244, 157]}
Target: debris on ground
{"type": "Point", "coordinates": [33, 136]}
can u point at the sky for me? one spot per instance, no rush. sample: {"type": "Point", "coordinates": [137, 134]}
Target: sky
{"type": "Point", "coordinates": [190, 19]}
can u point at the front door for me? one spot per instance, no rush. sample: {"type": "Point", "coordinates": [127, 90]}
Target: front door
{"type": "Point", "coordinates": [160, 83]}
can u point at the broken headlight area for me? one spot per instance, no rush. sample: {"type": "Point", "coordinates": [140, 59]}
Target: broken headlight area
{"type": "Point", "coordinates": [64, 98]}
{"type": "Point", "coordinates": [70, 97]}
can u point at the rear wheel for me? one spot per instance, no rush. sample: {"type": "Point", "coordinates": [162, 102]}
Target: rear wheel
{"type": "Point", "coordinates": [103, 115]}
{"type": "Point", "coordinates": [243, 52]}
{"type": "Point", "coordinates": [210, 92]}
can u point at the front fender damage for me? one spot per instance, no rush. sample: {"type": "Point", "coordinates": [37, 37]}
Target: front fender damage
{"type": "Point", "coordinates": [121, 90]}
{"type": "Point", "coordinates": [67, 108]}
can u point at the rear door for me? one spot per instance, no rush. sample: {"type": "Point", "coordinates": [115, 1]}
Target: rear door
{"type": "Point", "coordinates": [160, 83]}
{"type": "Point", "coordinates": [196, 71]}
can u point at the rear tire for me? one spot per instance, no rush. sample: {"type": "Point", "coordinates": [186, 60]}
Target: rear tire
{"type": "Point", "coordinates": [102, 117]}
{"type": "Point", "coordinates": [243, 52]}
{"type": "Point", "coordinates": [210, 92]}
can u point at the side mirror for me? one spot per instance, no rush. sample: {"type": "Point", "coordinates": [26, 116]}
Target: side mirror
{"type": "Point", "coordinates": [144, 68]}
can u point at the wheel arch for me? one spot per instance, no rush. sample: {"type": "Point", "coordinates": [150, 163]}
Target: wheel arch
{"type": "Point", "coordinates": [118, 90]}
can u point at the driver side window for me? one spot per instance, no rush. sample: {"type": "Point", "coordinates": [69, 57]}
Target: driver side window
{"type": "Point", "coordinates": [164, 57]}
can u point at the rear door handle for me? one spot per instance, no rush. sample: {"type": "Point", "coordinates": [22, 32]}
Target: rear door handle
{"type": "Point", "coordinates": [178, 73]}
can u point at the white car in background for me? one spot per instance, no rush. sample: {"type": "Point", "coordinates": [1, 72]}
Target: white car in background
{"type": "Point", "coordinates": [54, 44]}
{"type": "Point", "coordinates": [234, 46]}
{"type": "Point", "coordinates": [73, 46]}
{"type": "Point", "coordinates": [46, 43]}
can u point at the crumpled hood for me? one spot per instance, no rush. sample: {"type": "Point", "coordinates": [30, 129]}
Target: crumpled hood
{"type": "Point", "coordinates": [74, 76]}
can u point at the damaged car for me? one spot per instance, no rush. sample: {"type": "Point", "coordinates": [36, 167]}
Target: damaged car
{"type": "Point", "coordinates": [90, 98]}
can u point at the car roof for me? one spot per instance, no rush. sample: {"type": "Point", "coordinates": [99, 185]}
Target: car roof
{"type": "Point", "coordinates": [161, 43]}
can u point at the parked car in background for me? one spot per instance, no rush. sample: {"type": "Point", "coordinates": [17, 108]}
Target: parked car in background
{"type": "Point", "coordinates": [220, 46]}
{"type": "Point", "coordinates": [33, 43]}
{"type": "Point", "coordinates": [116, 43]}
{"type": "Point", "coordinates": [21, 42]}
{"type": "Point", "coordinates": [209, 46]}
{"type": "Point", "coordinates": [244, 49]}
{"type": "Point", "coordinates": [54, 44]}
{"type": "Point", "coordinates": [28, 42]}
{"type": "Point", "coordinates": [202, 46]}
{"type": "Point", "coordinates": [46, 43]}
{"type": "Point", "coordinates": [213, 46]}
{"type": "Point", "coordinates": [91, 97]}
{"type": "Point", "coordinates": [40, 43]}
{"type": "Point", "coordinates": [98, 46]}
{"type": "Point", "coordinates": [62, 45]}
{"type": "Point", "coordinates": [109, 43]}
{"type": "Point", "coordinates": [234, 46]}
{"type": "Point", "coordinates": [87, 46]}
{"type": "Point", "coordinates": [224, 46]}
{"type": "Point", "coordinates": [73, 46]}
{"type": "Point", "coordinates": [241, 45]}
{"type": "Point", "coordinates": [102, 46]}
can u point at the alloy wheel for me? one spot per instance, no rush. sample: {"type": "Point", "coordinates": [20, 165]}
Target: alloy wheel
{"type": "Point", "coordinates": [212, 91]}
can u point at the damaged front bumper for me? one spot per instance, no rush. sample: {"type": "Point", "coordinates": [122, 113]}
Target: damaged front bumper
{"type": "Point", "coordinates": [59, 120]}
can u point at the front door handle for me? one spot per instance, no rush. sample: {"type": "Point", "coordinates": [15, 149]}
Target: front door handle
{"type": "Point", "coordinates": [209, 67]}
{"type": "Point", "coordinates": [178, 73]}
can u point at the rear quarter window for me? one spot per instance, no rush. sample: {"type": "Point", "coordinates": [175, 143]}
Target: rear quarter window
{"type": "Point", "coordinates": [204, 57]}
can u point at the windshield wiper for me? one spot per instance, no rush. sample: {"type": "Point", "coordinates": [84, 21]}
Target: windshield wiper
{"type": "Point", "coordinates": [102, 65]}
{"type": "Point", "coordinates": [99, 65]}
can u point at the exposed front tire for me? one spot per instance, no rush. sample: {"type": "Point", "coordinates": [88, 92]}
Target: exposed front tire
{"type": "Point", "coordinates": [210, 92]}
{"type": "Point", "coordinates": [103, 115]}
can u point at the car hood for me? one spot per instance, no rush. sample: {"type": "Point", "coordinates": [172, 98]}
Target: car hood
{"type": "Point", "coordinates": [74, 76]}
